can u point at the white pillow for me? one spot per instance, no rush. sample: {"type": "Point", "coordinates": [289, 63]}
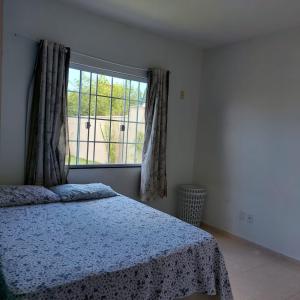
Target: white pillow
{"type": "Point", "coordinates": [77, 192]}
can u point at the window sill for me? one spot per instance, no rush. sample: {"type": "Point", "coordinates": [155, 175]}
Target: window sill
{"type": "Point", "coordinates": [105, 166]}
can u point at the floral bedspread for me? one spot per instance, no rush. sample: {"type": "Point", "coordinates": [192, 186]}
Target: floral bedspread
{"type": "Point", "coordinates": [114, 248]}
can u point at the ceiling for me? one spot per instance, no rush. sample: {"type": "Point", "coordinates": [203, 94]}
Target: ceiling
{"type": "Point", "coordinates": [206, 23]}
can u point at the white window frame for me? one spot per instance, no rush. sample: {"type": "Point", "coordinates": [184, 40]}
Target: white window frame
{"type": "Point", "coordinates": [90, 65]}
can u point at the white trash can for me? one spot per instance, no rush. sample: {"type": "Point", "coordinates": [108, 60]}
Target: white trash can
{"type": "Point", "coordinates": [191, 201]}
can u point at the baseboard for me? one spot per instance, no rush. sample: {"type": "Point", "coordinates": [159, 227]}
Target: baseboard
{"type": "Point", "coordinates": [241, 239]}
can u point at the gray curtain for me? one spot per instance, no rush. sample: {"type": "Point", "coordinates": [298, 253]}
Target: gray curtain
{"type": "Point", "coordinates": [153, 171]}
{"type": "Point", "coordinates": [47, 143]}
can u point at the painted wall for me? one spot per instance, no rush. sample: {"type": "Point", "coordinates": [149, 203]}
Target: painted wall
{"type": "Point", "coordinates": [100, 37]}
{"type": "Point", "coordinates": [249, 140]}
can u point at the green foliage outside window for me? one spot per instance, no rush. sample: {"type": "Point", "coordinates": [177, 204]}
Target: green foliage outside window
{"type": "Point", "coordinates": [101, 92]}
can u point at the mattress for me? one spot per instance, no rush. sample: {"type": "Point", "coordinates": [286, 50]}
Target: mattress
{"type": "Point", "coordinates": [113, 248]}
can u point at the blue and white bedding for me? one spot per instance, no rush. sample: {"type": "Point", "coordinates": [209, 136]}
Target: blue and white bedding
{"type": "Point", "coordinates": [113, 248]}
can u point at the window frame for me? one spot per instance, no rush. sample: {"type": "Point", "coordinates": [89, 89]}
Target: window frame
{"type": "Point", "coordinates": [141, 77]}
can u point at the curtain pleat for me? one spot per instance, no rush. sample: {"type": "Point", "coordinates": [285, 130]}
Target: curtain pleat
{"type": "Point", "coordinates": [48, 141]}
{"type": "Point", "coordinates": [153, 170]}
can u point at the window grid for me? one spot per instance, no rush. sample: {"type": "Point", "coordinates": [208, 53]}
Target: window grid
{"type": "Point", "coordinates": [95, 129]}
{"type": "Point", "coordinates": [112, 120]}
{"type": "Point", "coordinates": [104, 96]}
{"type": "Point", "coordinates": [128, 121]}
{"type": "Point", "coordinates": [105, 119]}
{"type": "Point", "coordinates": [111, 93]}
{"type": "Point", "coordinates": [103, 142]}
{"type": "Point", "coordinates": [125, 118]}
{"type": "Point", "coordinates": [78, 119]}
{"type": "Point", "coordinates": [88, 124]}
{"type": "Point", "coordinates": [124, 111]}
{"type": "Point", "coordinates": [137, 117]}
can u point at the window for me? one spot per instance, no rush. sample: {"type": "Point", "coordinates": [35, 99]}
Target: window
{"type": "Point", "coordinates": [105, 118]}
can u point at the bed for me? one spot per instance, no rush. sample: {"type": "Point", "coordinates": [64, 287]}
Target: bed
{"type": "Point", "coordinates": [112, 248]}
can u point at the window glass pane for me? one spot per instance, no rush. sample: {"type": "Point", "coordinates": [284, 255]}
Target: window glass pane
{"type": "Point", "coordinates": [94, 83]}
{"type": "Point", "coordinates": [131, 114]}
{"type": "Point", "coordinates": [130, 154]}
{"type": "Point", "coordinates": [73, 100]}
{"type": "Point", "coordinates": [104, 85]}
{"type": "Point", "coordinates": [85, 82]}
{"type": "Point", "coordinates": [90, 153]}
{"type": "Point", "coordinates": [92, 129]}
{"type": "Point", "coordinates": [101, 153]}
{"type": "Point", "coordinates": [83, 129]}
{"type": "Point", "coordinates": [116, 153]}
{"type": "Point", "coordinates": [87, 105]}
{"type": "Point", "coordinates": [102, 131]}
{"type": "Point", "coordinates": [139, 152]}
{"type": "Point", "coordinates": [95, 126]}
{"type": "Point", "coordinates": [122, 153]}
{"type": "Point", "coordinates": [118, 107]}
{"type": "Point", "coordinates": [143, 90]}
{"type": "Point", "coordinates": [118, 88]}
{"type": "Point", "coordinates": [74, 80]}
{"type": "Point", "coordinates": [118, 129]}
{"type": "Point", "coordinates": [92, 105]}
{"type": "Point", "coordinates": [134, 90]}
{"type": "Point", "coordinates": [82, 153]}
{"type": "Point", "coordinates": [73, 148]}
{"type": "Point", "coordinates": [72, 128]}
{"type": "Point", "coordinates": [84, 105]}
{"type": "Point", "coordinates": [127, 89]}
{"type": "Point", "coordinates": [140, 134]}
{"type": "Point", "coordinates": [103, 107]}
{"type": "Point", "coordinates": [131, 132]}
{"type": "Point", "coordinates": [141, 112]}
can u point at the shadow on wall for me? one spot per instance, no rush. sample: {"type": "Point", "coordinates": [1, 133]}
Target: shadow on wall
{"type": "Point", "coordinates": [120, 179]}
{"type": "Point", "coordinates": [212, 151]}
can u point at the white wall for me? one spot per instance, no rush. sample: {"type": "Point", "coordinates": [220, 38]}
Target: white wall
{"type": "Point", "coordinates": [96, 36]}
{"type": "Point", "coordinates": [249, 139]}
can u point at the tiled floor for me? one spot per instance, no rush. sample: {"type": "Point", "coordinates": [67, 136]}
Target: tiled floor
{"type": "Point", "coordinates": [257, 274]}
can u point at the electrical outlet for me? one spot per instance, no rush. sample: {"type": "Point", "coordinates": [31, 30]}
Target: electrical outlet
{"type": "Point", "coordinates": [242, 216]}
{"type": "Point", "coordinates": [250, 219]}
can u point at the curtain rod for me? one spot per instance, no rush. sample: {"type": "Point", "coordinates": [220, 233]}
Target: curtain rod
{"type": "Point", "coordinates": [88, 56]}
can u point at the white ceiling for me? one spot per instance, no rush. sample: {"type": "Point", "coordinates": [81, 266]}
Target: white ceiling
{"type": "Point", "coordinates": [206, 23]}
